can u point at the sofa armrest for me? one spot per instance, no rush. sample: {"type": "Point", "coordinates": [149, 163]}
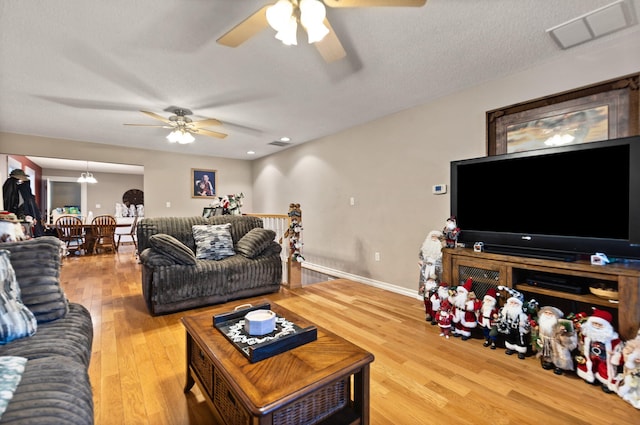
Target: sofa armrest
{"type": "Point", "coordinates": [36, 263]}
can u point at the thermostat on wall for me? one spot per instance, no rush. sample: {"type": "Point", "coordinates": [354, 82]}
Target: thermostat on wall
{"type": "Point", "coordinates": [439, 189]}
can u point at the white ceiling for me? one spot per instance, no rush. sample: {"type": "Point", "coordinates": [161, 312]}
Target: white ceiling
{"type": "Point", "coordinates": [80, 69]}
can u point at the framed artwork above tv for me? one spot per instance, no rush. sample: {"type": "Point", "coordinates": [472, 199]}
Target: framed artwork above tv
{"type": "Point", "coordinates": [598, 112]}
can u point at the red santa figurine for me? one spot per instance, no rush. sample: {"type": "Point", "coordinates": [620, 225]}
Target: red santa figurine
{"type": "Point", "coordinates": [487, 316]}
{"type": "Point", "coordinates": [450, 232]}
{"type": "Point", "coordinates": [443, 317]}
{"type": "Point", "coordinates": [600, 353]}
{"type": "Point", "coordinates": [437, 298]}
{"type": "Point", "coordinates": [465, 306]}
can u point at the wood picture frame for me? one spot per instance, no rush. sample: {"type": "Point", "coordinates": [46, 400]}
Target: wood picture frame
{"type": "Point", "coordinates": [603, 111]}
{"type": "Point", "coordinates": [203, 183]}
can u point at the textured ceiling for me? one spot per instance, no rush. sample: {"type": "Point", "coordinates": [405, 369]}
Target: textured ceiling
{"type": "Point", "coordinates": [80, 69]}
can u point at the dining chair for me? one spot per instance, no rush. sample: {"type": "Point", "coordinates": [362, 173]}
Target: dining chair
{"type": "Point", "coordinates": [104, 230]}
{"type": "Point", "coordinates": [70, 230]}
{"type": "Point", "coordinates": [132, 234]}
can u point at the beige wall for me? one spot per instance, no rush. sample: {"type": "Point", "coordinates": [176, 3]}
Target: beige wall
{"type": "Point", "coordinates": [389, 166]}
{"type": "Point", "coordinates": [167, 176]}
{"type": "Point", "coordinates": [102, 197]}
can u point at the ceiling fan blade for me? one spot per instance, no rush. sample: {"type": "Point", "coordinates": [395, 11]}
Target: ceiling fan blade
{"type": "Point", "coordinates": [330, 47]}
{"type": "Point", "coordinates": [374, 3]}
{"type": "Point", "coordinates": [206, 123]}
{"type": "Point", "coordinates": [156, 116]}
{"type": "Point", "coordinates": [245, 29]}
{"type": "Point", "coordinates": [149, 125]}
{"type": "Point", "coordinates": [211, 133]}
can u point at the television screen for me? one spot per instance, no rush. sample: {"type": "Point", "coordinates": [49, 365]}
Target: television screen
{"type": "Point", "coordinates": [579, 199]}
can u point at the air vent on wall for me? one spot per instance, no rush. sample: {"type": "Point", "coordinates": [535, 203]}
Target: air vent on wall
{"type": "Point", "coordinates": [279, 143]}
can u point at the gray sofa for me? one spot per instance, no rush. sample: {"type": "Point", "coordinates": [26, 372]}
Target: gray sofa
{"type": "Point", "coordinates": [175, 279]}
{"type": "Point", "coordinates": [54, 387]}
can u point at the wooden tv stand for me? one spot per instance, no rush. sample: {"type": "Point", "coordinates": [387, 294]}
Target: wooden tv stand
{"type": "Point", "coordinates": [511, 271]}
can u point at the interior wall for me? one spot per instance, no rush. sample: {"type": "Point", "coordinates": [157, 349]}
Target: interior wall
{"type": "Point", "coordinates": [389, 167]}
{"type": "Point", "coordinates": [167, 176]}
{"type": "Point", "coordinates": [65, 194]}
{"type": "Point", "coordinates": [102, 196]}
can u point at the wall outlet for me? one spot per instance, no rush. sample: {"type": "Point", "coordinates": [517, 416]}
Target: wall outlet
{"type": "Point", "coordinates": [352, 201]}
{"type": "Point", "coordinates": [98, 206]}
{"type": "Point", "coordinates": [376, 256]}
{"type": "Point", "coordinates": [168, 204]}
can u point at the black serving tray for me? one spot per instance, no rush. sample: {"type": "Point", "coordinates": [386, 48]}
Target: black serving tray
{"type": "Point", "coordinates": [286, 336]}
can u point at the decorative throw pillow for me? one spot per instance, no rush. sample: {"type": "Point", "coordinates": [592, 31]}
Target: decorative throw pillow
{"type": "Point", "coordinates": [213, 242]}
{"type": "Point", "coordinates": [172, 248]}
{"type": "Point", "coordinates": [16, 320]}
{"type": "Point", "coordinates": [11, 370]}
{"type": "Point", "coordinates": [255, 241]}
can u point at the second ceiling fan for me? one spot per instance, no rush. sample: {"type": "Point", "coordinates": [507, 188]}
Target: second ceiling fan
{"type": "Point", "coordinates": [285, 15]}
{"type": "Point", "coordinates": [183, 128]}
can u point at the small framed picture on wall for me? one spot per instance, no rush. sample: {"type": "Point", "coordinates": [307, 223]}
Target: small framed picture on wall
{"type": "Point", "coordinates": [203, 183]}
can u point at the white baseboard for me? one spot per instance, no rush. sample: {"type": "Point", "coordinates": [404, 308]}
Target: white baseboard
{"type": "Point", "coordinates": [360, 279]}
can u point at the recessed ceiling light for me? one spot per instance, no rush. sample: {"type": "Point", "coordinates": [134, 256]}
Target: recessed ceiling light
{"type": "Point", "coordinates": [285, 139]}
{"type": "Point", "coordinates": [251, 153]}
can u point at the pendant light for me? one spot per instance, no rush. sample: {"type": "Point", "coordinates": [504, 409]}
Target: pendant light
{"type": "Point", "coordinates": [87, 177]}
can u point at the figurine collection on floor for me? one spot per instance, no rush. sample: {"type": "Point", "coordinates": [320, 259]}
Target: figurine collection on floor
{"type": "Point", "coordinates": [580, 342]}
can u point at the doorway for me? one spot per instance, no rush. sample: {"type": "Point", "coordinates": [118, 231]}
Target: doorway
{"type": "Point", "coordinates": [64, 192]}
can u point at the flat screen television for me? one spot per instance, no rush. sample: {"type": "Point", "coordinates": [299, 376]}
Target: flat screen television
{"type": "Point", "coordinates": [561, 203]}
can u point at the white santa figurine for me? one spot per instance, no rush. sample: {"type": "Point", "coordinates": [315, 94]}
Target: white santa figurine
{"type": "Point", "coordinates": [465, 306]}
{"type": "Point", "coordinates": [629, 381]}
{"type": "Point", "coordinates": [487, 316]}
{"type": "Point", "coordinates": [430, 270]}
{"type": "Point", "coordinates": [554, 341]}
{"type": "Point", "coordinates": [600, 354]}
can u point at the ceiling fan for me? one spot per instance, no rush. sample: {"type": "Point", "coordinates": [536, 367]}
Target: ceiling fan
{"type": "Point", "coordinates": [183, 127]}
{"type": "Point", "coordinates": [284, 16]}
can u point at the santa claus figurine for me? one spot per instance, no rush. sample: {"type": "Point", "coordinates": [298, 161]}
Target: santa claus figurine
{"type": "Point", "coordinates": [600, 352]}
{"type": "Point", "coordinates": [487, 316]}
{"type": "Point", "coordinates": [426, 290]}
{"type": "Point", "coordinates": [555, 339]}
{"type": "Point", "coordinates": [443, 318]}
{"type": "Point", "coordinates": [514, 324]}
{"type": "Point", "coordinates": [629, 382]}
{"type": "Point", "coordinates": [437, 298]}
{"type": "Point", "coordinates": [451, 231]}
{"type": "Point", "coordinates": [430, 270]}
{"type": "Point", "coordinates": [465, 306]}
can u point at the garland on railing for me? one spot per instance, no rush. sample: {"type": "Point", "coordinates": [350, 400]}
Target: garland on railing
{"type": "Point", "coordinates": [294, 232]}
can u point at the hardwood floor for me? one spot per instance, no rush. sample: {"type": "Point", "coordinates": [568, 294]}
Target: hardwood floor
{"type": "Point", "coordinates": [138, 364]}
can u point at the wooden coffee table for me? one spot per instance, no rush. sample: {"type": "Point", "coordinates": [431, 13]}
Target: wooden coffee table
{"type": "Point", "coordinates": [322, 382]}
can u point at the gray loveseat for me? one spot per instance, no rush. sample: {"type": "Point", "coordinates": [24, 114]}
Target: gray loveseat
{"type": "Point", "coordinates": [54, 387]}
{"type": "Point", "coordinates": [174, 278]}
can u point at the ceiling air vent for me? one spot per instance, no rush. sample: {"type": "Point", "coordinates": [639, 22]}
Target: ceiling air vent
{"type": "Point", "coordinates": [279, 143]}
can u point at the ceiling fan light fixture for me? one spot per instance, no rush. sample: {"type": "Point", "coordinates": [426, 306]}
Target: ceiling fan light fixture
{"type": "Point", "coordinates": [317, 32]}
{"type": "Point", "coordinates": [279, 14]}
{"type": "Point", "coordinates": [174, 136]}
{"type": "Point", "coordinates": [186, 138]}
{"type": "Point", "coordinates": [180, 136]}
{"type": "Point", "coordinates": [312, 15]}
{"type": "Point", "coordinates": [287, 34]}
